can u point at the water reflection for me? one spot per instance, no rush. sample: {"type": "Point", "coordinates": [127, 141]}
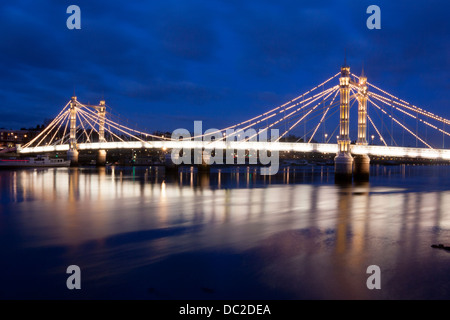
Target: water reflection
{"type": "Point", "coordinates": [297, 234]}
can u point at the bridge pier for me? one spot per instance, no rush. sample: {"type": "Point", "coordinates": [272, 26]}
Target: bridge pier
{"type": "Point", "coordinates": [362, 167]}
{"type": "Point", "coordinates": [205, 166]}
{"type": "Point", "coordinates": [72, 155]}
{"type": "Point", "coordinates": [343, 167]}
{"type": "Point", "coordinates": [169, 166]}
{"type": "Point", "coordinates": [101, 158]}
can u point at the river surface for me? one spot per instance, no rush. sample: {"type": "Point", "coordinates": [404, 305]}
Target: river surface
{"type": "Point", "coordinates": [137, 233]}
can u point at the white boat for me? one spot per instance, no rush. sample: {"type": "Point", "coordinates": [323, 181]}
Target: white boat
{"type": "Point", "coordinates": [40, 161]}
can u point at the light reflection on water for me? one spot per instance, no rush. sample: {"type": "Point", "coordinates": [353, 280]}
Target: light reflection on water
{"type": "Point", "coordinates": [139, 233]}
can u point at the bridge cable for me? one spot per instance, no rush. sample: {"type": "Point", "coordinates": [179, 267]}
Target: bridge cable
{"type": "Point", "coordinates": [51, 123]}
{"type": "Point", "coordinates": [57, 130]}
{"type": "Point", "coordinates": [295, 124]}
{"type": "Point", "coordinates": [269, 126]}
{"type": "Point", "coordinates": [324, 114]}
{"type": "Point", "coordinates": [314, 98]}
{"type": "Point", "coordinates": [293, 112]}
{"type": "Point", "coordinates": [272, 110]}
{"type": "Point", "coordinates": [403, 126]}
{"type": "Point", "coordinates": [377, 97]}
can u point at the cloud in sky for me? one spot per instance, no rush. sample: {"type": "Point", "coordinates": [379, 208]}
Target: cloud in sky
{"type": "Point", "coordinates": [223, 60]}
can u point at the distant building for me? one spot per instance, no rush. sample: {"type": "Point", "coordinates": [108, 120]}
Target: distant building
{"type": "Point", "coordinates": [11, 138]}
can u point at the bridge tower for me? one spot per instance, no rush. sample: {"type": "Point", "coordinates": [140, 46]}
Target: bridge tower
{"type": "Point", "coordinates": [343, 162]}
{"type": "Point", "coordinates": [362, 161]}
{"type": "Point", "coordinates": [72, 153]}
{"type": "Point", "coordinates": [101, 110]}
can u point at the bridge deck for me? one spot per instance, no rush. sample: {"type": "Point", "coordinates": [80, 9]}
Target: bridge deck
{"type": "Point", "coordinates": [237, 145]}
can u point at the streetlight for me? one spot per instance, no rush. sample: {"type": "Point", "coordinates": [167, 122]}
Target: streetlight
{"type": "Point", "coordinates": [326, 135]}
{"type": "Point", "coordinates": [373, 137]}
{"type": "Point", "coordinates": [337, 138]}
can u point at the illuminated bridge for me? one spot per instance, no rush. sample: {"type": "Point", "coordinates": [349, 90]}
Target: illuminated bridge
{"type": "Point", "coordinates": [387, 126]}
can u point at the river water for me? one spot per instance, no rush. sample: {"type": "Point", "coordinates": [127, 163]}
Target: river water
{"type": "Point", "coordinates": [137, 233]}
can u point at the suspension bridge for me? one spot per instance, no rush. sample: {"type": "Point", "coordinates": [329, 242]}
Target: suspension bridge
{"type": "Point", "coordinates": [382, 121]}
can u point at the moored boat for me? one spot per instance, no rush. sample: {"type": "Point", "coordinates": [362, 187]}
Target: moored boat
{"type": "Point", "coordinates": [40, 161]}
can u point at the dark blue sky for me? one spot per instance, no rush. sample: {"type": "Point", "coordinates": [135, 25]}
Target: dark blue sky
{"type": "Point", "coordinates": [164, 64]}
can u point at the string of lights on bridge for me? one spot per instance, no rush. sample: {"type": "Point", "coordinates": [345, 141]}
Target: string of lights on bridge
{"type": "Point", "coordinates": [318, 103]}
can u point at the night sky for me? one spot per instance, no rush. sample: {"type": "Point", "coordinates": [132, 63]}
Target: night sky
{"type": "Point", "coordinates": [164, 64]}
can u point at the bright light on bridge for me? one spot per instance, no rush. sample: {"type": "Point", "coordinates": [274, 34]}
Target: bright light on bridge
{"type": "Point", "coordinates": [329, 148]}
